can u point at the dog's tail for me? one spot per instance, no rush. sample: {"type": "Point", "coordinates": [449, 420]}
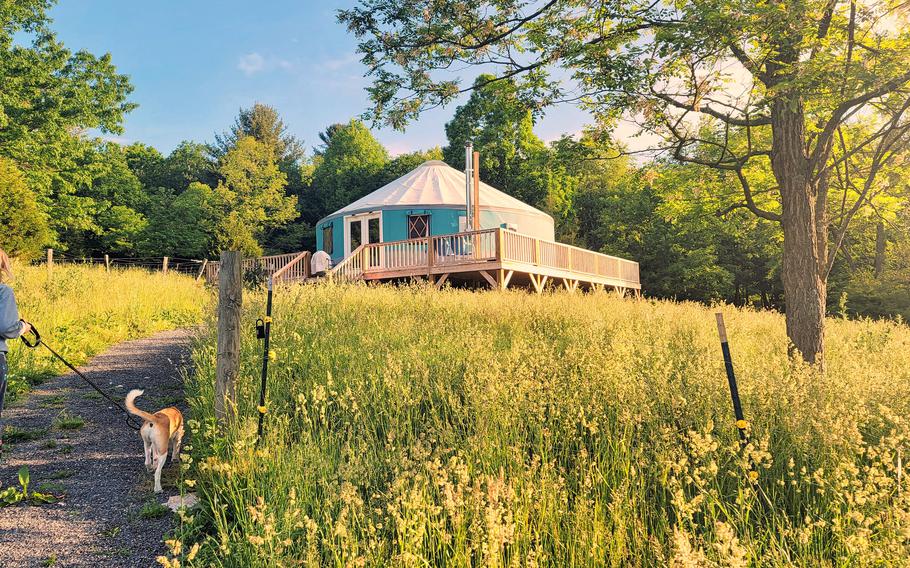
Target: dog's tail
{"type": "Point", "coordinates": [131, 406]}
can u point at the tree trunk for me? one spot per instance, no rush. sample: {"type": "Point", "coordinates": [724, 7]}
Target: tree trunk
{"type": "Point", "coordinates": [880, 243]}
{"type": "Point", "coordinates": [805, 246]}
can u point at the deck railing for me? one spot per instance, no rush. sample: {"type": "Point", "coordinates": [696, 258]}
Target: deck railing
{"type": "Point", "coordinates": [522, 248]}
{"type": "Point", "coordinates": [477, 247]}
{"type": "Point", "coordinates": [351, 268]}
{"type": "Point", "coordinates": [436, 254]}
{"type": "Point", "coordinates": [295, 265]}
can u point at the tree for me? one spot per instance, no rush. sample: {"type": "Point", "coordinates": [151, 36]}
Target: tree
{"type": "Point", "coordinates": [404, 163]}
{"type": "Point", "coordinates": [145, 162]}
{"type": "Point", "coordinates": [49, 96]}
{"type": "Point", "coordinates": [512, 158]}
{"type": "Point", "coordinates": [25, 225]}
{"type": "Point", "coordinates": [180, 224]}
{"type": "Point", "coordinates": [263, 123]}
{"type": "Point", "coordinates": [187, 163]}
{"type": "Point", "coordinates": [348, 167]}
{"type": "Point", "coordinates": [249, 200]}
{"type": "Point", "coordinates": [789, 75]}
{"type": "Point", "coordinates": [111, 202]}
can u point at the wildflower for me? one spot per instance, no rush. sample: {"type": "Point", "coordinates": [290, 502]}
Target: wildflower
{"type": "Point", "coordinates": [168, 563]}
{"type": "Point", "coordinates": [262, 409]}
{"type": "Point", "coordinates": [193, 552]}
{"type": "Point", "coordinates": [175, 545]}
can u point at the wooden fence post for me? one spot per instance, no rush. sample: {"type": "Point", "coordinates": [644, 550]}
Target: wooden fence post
{"type": "Point", "coordinates": [227, 363]}
{"type": "Point", "coordinates": [107, 263]}
{"type": "Point", "coordinates": [164, 265]}
{"type": "Point", "coordinates": [50, 260]}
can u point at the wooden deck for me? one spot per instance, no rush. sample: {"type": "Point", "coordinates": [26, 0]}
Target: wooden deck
{"type": "Point", "coordinates": [497, 257]}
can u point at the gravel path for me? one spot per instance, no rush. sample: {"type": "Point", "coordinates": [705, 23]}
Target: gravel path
{"type": "Point", "coordinates": [105, 517]}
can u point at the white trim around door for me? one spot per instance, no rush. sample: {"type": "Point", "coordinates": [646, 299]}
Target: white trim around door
{"type": "Point", "coordinates": [360, 225]}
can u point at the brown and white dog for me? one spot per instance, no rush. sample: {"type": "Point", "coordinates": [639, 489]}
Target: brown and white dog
{"type": "Point", "coordinates": [159, 430]}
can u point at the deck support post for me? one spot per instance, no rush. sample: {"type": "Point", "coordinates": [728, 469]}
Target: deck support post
{"type": "Point", "coordinates": [571, 285]}
{"type": "Point", "coordinates": [620, 291]}
{"type": "Point", "coordinates": [489, 279]}
{"type": "Point", "coordinates": [505, 278]}
{"type": "Point", "coordinates": [442, 280]}
{"type": "Point", "coordinates": [535, 280]}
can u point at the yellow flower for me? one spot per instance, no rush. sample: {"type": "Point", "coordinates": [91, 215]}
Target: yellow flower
{"type": "Point", "coordinates": [190, 482]}
{"type": "Point", "coordinates": [193, 552]}
{"type": "Point", "coordinates": [164, 561]}
{"type": "Point", "coordinates": [175, 545]}
{"type": "Point", "coordinates": [272, 355]}
{"type": "Point", "coordinates": [262, 409]}
{"type": "Point", "coordinates": [753, 475]}
{"type": "Point", "coordinates": [741, 424]}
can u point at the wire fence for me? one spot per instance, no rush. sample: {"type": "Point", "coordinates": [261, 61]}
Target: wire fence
{"type": "Point", "coordinates": [189, 266]}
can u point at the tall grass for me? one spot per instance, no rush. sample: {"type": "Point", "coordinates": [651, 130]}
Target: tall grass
{"type": "Point", "coordinates": [80, 310]}
{"type": "Point", "coordinates": [409, 427]}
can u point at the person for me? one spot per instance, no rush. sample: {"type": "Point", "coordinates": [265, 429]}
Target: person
{"type": "Point", "coordinates": [11, 326]}
{"type": "Point", "coordinates": [320, 264]}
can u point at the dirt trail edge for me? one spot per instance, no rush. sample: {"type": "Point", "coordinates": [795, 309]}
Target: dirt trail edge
{"type": "Point", "coordinates": [108, 516]}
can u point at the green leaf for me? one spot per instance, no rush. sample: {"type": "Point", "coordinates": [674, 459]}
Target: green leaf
{"type": "Point", "coordinates": [24, 478]}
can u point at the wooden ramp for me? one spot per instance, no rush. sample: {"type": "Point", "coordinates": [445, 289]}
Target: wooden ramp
{"type": "Point", "coordinates": [285, 268]}
{"type": "Point", "coordinates": [496, 257]}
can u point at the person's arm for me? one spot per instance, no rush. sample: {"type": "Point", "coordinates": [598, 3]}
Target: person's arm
{"type": "Point", "coordinates": [10, 326]}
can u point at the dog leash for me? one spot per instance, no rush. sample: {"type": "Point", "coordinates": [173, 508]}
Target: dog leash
{"type": "Point", "coordinates": [130, 419]}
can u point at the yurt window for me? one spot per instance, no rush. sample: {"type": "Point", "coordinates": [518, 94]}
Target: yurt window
{"type": "Point", "coordinates": [418, 226]}
{"type": "Point", "coordinates": [328, 242]}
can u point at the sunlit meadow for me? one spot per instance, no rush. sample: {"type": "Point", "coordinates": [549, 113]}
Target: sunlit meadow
{"type": "Point", "coordinates": [410, 427]}
{"type": "Point", "coordinates": [80, 310]}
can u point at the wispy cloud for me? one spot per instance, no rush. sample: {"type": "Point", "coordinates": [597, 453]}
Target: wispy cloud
{"type": "Point", "coordinates": [338, 63]}
{"type": "Point", "coordinates": [251, 63]}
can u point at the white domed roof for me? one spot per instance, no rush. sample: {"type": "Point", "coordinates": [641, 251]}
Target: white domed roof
{"type": "Point", "coordinates": [435, 184]}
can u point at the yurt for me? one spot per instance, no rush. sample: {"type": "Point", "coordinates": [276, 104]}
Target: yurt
{"type": "Point", "coordinates": [427, 201]}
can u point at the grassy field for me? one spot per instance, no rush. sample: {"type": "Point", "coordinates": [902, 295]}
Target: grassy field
{"type": "Point", "coordinates": [409, 427]}
{"type": "Point", "coordinates": [80, 310]}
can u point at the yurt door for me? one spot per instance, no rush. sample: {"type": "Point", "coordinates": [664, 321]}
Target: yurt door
{"type": "Point", "coordinates": [360, 229]}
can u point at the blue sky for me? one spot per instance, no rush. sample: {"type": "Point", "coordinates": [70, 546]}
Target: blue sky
{"type": "Point", "coordinates": [195, 63]}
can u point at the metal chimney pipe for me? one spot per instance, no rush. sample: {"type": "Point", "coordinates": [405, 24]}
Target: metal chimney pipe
{"type": "Point", "coordinates": [475, 201]}
{"type": "Point", "coordinates": [469, 178]}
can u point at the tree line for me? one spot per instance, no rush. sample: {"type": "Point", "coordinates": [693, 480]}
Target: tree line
{"type": "Point", "coordinates": [259, 189]}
